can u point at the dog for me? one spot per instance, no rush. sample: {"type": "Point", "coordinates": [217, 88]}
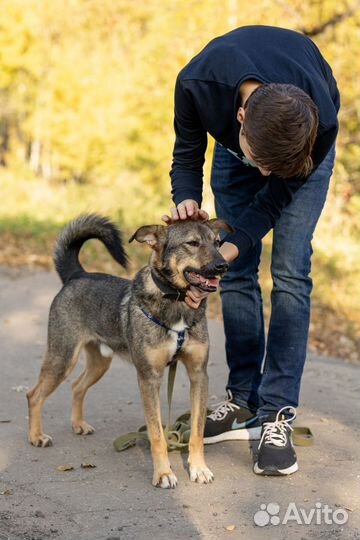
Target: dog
{"type": "Point", "coordinates": [144, 320]}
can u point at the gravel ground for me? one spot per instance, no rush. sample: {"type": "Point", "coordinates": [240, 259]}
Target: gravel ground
{"type": "Point", "coordinates": [115, 499]}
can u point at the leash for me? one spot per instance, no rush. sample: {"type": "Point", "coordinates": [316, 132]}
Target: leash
{"type": "Point", "coordinates": [174, 435]}
{"type": "Point", "coordinates": [177, 436]}
{"type": "Point", "coordinates": [303, 436]}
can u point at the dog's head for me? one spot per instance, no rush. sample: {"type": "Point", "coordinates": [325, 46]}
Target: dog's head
{"type": "Point", "coordinates": [186, 252]}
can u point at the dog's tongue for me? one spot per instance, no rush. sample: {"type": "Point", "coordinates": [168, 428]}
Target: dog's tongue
{"type": "Point", "coordinates": [213, 282]}
{"type": "Point", "coordinates": [209, 282]}
{"type": "Point", "coordinates": [198, 279]}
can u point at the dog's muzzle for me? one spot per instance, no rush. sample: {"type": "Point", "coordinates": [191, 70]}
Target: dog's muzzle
{"type": "Point", "coordinates": [208, 277]}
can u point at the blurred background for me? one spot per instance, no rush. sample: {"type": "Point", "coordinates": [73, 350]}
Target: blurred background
{"type": "Point", "coordinates": [86, 124]}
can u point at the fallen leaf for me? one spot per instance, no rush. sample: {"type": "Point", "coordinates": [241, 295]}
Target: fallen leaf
{"type": "Point", "coordinates": [65, 467]}
{"type": "Point", "coordinates": [6, 491]}
{"type": "Point", "coordinates": [230, 528]}
{"type": "Point", "coordinates": [88, 466]}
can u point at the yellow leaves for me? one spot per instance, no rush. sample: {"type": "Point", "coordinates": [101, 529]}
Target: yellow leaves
{"type": "Point", "coordinates": [64, 468]}
{"type": "Point", "coordinates": [91, 81]}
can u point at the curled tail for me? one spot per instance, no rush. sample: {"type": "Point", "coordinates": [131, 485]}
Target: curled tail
{"type": "Point", "coordinates": [74, 235]}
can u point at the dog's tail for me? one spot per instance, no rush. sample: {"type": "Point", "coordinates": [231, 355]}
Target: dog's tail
{"type": "Point", "coordinates": [74, 235]}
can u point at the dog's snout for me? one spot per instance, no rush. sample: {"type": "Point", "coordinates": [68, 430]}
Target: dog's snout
{"type": "Point", "coordinates": [221, 266]}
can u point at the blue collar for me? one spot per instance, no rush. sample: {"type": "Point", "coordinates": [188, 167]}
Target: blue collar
{"type": "Point", "coordinates": [180, 333]}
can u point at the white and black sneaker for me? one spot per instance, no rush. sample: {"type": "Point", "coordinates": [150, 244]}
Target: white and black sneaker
{"type": "Point", "coordinates": [231, 422]}
{"type": "Point", "coordinates": [276, 455]}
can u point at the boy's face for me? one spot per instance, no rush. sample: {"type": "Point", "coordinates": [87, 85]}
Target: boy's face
{"type": "Point", "coordinates": [245, 146]}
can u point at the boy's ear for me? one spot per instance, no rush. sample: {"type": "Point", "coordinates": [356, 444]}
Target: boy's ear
{"type": "Point", "coordinates": [241, 115]}
{"type": "Point", "coordinates": [153, 235]}
{"type": "Point", "coordinates": [217, 225]}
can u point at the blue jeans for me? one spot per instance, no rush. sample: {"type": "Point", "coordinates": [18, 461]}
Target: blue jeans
{"type": "Point", "coordinates": [267, 385]}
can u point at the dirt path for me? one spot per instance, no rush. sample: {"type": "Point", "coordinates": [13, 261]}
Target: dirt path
{"type": "Point", "coordinates": [116, 500]}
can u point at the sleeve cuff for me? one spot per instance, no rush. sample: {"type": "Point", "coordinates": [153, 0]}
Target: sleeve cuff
{"type": "Point", "coordinates": [241, 240]}
{"type": "Point", "coordinates": [182, 195]}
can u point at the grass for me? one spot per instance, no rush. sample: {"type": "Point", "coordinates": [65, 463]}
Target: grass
{"type": "Point", "coordinates": [33, 212]}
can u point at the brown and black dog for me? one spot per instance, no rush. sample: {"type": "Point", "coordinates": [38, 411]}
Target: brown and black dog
{"type": "Point", "coordinates": [145, 320]}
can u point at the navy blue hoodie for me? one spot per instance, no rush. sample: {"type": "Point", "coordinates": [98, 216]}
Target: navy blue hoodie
{"type": "Point", "coordinates": [207, 98]}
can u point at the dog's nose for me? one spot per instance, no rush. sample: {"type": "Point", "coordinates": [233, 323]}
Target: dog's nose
{"type": "Point", "coordinates": [221, 266]}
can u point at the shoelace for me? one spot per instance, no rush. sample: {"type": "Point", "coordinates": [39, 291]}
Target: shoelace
{"type": "Point", "coordinates": [276, 432]}
{"type": "Point", "coordinates": [223, 408]}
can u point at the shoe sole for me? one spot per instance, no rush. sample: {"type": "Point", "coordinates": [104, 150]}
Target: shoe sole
{"type": "Point", "coordinates": [243, 434]}
{"type": "Point", "coordinates": [276, 472]}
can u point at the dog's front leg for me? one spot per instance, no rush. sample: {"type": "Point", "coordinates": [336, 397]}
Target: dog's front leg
{"type": "Point", "coordinates": [195, 361]}
{"type": "Point", "coordinates": [149, 383]}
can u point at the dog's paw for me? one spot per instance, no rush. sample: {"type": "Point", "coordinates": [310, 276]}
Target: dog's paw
{"type": "Point", "coordinates": [82, 428]}
{"type": "Point", "coordinates": [41, 440]}
{"type": "Point", "coordinates": [201, 475]}
{"type": "Point", "coordinates": [165, 481]}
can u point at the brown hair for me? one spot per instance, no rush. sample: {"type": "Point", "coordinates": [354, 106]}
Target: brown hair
{"type": "Point", "coordinates": [280, 126]}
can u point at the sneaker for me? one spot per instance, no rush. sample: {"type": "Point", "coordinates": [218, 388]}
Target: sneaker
{"type": "Point", "coordinates": [276, 455]}
{"type": "Point", "coordinates": [231, 422]}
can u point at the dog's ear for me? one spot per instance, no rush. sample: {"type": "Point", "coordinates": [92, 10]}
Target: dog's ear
{"type": "Point", "coordinates": [153, 235]}
{"type": "Point", "coordinates": [217, 225]}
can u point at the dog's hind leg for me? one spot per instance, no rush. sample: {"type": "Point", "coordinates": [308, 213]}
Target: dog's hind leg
{"type": "Point", "coordinates": [55, 369]}
{"type": "Point", "coordinates": [96, 366]}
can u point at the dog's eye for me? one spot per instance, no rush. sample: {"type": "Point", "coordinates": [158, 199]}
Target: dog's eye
{"type": "Point", "coordinates": [193, 243]}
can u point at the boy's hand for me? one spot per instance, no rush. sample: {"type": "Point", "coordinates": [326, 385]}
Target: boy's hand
{"type": "Point", "coordinates": [187, 209]}
{"type": "Point", "coordinates": [194, 296]}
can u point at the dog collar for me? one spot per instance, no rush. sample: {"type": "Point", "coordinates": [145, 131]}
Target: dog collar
{"type": "Point", "coordinates": [169, 292]}
{"type": "Point", "coordinates": [180, 333]}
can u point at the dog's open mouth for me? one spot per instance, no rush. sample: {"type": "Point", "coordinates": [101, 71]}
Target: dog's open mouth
{"type": "Point", "coordinates": [205, 283]}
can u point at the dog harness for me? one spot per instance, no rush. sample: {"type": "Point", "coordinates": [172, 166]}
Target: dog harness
{"type": "Point", "coordinates": [180, 333]}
